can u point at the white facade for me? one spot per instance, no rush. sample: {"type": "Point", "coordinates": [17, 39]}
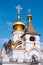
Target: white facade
{"type": "Point", "coordinates": [17, 35]}
{"type": "Point", "coordinates": [30, 47]}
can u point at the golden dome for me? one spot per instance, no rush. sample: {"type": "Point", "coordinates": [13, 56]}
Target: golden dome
{"type": "Point", "coordinates": [18, 25]}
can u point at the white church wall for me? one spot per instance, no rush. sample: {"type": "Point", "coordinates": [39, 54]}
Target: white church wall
{"type": "Point", "coordinates": [15, 38]}
{"type": "Point", "coordinates": [42, 55]}
{"type": "Point", "coordinates": [19, 55]}
{"type": "Point", "coordinates": [34, 52]}
{"type": "Point", "coordinates": [17, 35]}
{"type": "Point", "coordinates": [5, 59]}
{"type": "Point", "coordinates": [27, 37]}
{"type": "Point", "coordinates": [37, 37]}
{"type": "Point", "coordinates": [26, 56]}
{"type": "Point", "coordinates": [16, 63]}
{"type": "Point", "coordinates": [3, 51]}
{"type": "Point", "coordinates": [29, 44]}
{"type": "Point", "coordinates": [10, 54]}
{"type": "Point", "coordinates": [38, 46]}
{"type": "Point", "coordinates": [41, 46]}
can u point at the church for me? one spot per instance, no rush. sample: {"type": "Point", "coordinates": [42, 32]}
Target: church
{"type": "Point", "coordinates": [25, 45]}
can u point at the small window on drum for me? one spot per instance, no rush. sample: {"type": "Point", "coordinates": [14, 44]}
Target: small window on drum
{"type": "Point", "coordinates": [32, 38]}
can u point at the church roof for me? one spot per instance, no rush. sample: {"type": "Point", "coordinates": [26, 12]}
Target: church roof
{"type": "Point", "coordinates": [30, 28]}
{"type": "Point", "coordinates": [19, 47]}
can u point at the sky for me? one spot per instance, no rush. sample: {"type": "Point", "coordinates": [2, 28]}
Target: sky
{"type": "Point", "coordinates": [8, 15]}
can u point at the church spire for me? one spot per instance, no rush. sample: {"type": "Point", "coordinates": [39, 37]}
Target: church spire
{"type": "Point", "coordinates": [29, 16]}
{"type": "Point", "coordinates": [30, 28]}
{"type": "Point", "coordinates": [18, 8]}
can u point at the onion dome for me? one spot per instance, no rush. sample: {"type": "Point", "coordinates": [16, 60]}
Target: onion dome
{"type": "Point", "coordinates": [18, 25]}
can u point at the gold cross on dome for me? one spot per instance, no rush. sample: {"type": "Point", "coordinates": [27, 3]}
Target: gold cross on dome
{"type": "Point", "coordinates": [18, 8]}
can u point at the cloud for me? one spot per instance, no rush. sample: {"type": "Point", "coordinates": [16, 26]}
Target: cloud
{"type": "Point", "coordinates": [3, 40]}
{"type": "Point", "coordinates": [9, 23]}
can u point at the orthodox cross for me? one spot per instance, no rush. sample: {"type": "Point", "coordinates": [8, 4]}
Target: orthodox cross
{"type": "Point", "coordinates": [18, 8]}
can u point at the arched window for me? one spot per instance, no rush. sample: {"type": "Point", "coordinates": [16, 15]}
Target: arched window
{"type": "Point", "coordinates": [32, 38]}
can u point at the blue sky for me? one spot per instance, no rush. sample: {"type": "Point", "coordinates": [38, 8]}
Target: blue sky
{"type": "Point", "coordinates": [8, 15]}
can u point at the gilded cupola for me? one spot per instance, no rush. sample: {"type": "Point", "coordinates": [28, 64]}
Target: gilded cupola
{"type": "Point", "coordinates": [18, 25]}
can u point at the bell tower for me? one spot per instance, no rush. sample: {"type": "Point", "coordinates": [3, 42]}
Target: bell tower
{"type": "Point", "coordinates": [31, 41]}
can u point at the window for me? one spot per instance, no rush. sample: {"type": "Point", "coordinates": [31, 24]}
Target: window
{"type": "Point", "coordinates": [32, 38]}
